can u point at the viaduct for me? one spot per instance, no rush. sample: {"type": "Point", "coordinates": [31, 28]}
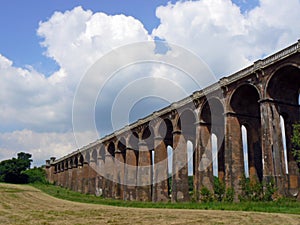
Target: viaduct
{"type": "Point", "coordinates": [131, 163]}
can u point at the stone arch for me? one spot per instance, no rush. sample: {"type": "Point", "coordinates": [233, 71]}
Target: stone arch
{"type": "Point", "coordinates": [285, 76]}
{"type": "Point", "coordinates": [109, 169]}
{"type": "Point", "coordinates": [111, 148]}
{"type": "Point", "coordinates": [282, 92]}
{"type": "Point", "coordinates": [162, 160]}
{"type": "Point", "coordinates": [120, 159]}
{"type": "Point", "coordinates": [131, 166]}
{"type": "Point", "coordinates": [71, 165]}
{"type": "Point", "coordinates": [81, 159]}
{"type": "Point", "coordinates": [244, 103]}
{"type": "Point", "coordinates": [76, 161]}
{"type": "Point", "coordinates": [184, 131]}
{"type": "Point", "coordinates": [87, 156]}
{"type": "Point", "coordinates": [165, 131]}
{"type": "Point", "coordinates": [144, 173]}
{"type": "Point", "coordinates": [212, 122]}
{"type": "Point", "coordinates": [94, 155]}
{"type": "Point", "coordinates": [187, 124]}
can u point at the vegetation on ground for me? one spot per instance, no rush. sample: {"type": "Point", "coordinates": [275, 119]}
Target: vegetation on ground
{"type": "Point", "coordinates": [23, 204]}
{"type": "Point", "coordinates": [17, 170]}
{"type": "Point", "coordinates": [296, 143]}
{"type": "Point", "coordinates": [280, 206]}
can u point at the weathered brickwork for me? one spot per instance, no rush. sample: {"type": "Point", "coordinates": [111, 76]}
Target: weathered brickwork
{"type": "Point", "coordinates": [131, 164]}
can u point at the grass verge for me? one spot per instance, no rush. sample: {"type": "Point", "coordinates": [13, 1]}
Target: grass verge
{"type": "Point", "coordinates": [280, 206]}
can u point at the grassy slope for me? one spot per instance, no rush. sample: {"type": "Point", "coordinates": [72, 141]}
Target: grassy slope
{"type": "Point", "coordinates": [282, 206]}
{"type": "Point", "coordinates": [23, 204]}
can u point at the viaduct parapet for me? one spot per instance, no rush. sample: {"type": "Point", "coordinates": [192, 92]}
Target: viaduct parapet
{"type": "Point", "coordinates": [131, 163]}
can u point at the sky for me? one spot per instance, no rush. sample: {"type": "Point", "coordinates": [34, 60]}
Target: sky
{"type": "Point", "coordinates": [46, 48]}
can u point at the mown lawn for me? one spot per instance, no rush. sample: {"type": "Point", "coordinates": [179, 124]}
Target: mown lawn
{"type": "Point", "coordinates": [280, 206]}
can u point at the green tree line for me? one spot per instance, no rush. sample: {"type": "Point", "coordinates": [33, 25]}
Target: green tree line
{"type": "Point", "coordinates": [17, 170]}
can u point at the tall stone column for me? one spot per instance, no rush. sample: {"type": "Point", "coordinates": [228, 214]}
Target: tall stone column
{"type": "Point", "coordinates": [205, 166]}
{"type": "Point", "coordinates": [85, 175]}
{"type": "Point", "coordinates": [74, 185]}
{"type": "Point", "coordinates": [144, 175]}
{"type": "Point", "coordinates": [119, 175]}
{"type": "Point", "coordinates": [160, 174]}
{"type": "Point", "coordinates": [234, 160]}
{"type": "Point", "coordinates": [130, 174]}
{"type": "Point", "coordinates": [92, 176]}
{"type": "Point", "coordinates": [293, 176]}
{"type": "Point", "coordinates": [66, 174]}
{"type": "Point", "coordinates": [49, 175]}
{"type": "Point", "coordinates": [101, 173]}
{"type": "Point", "coordinates": [180, 187]}
{"type": "Point", "coordinates": [79, 175]}
{"type": "Point", "coordinates": [109, 175]}
{"type": "Point", "coordinates": [272, 147]}
{"type": "Point", "coordinates": [52, 171]}
{"type": "Point", "coordinates": [70, 173]}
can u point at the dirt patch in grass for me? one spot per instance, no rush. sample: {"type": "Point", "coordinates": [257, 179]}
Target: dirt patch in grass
{"type": "Point", "coordinates": [28, 205]}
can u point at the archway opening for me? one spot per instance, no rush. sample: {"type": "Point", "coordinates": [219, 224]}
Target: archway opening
{"type": "Point", "coordinates": [285, 113]}
{"type": "Point", "coordinates": [212, 129]}
{"type": "Point", "coordinates": [246, 115]}
{"type": "Point", "coordinates": [187, 126]}
{"type": "Point", "coordinates": [214, 147]}
{"type": "Point", "coordinates": [245, 150]}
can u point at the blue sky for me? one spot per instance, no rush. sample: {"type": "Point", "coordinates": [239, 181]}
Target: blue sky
{"type": "Point", "coordinates": [44, 55]}
{"type": "Point", "coordinates": [19, 21]}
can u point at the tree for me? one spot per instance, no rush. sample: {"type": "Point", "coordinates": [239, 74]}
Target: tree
{"type": "Point", "coordinates": [36, 175]}
{"type": "Point", "coordinates": [11, 169]}
{"type": "Point", "coordinates": [296, 143]}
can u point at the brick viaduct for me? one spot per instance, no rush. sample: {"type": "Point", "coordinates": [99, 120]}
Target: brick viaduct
{"type": "Point", "coordinates": [131, 163]}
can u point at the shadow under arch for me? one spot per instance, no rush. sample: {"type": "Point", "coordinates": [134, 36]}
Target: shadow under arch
{"type": "Point", "coordinates": [212, 129]}
{"type": "Point", "coordinates": [245, 106]}
{"type": "Point", "coordinates": [282, 92]}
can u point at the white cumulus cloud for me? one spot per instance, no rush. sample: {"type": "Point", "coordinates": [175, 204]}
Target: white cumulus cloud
{"type": "Point", "coordinates": [226, 38]}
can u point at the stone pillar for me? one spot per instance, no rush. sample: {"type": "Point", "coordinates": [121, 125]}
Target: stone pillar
{"type": "Point", "coordinates": [180, 187]}
{"type": "Point", "coordinates": [160, 185]}
{"type": "Point", "coordinates": [272, 148]}
{"type": "Point", "coordinates": [52, 178]}
{"type": "Point", "coordinates": [92, 176]}
{"type": "Point", "coordinates": [70, 173]}
{"type": "Point", "coordinates": [48, 171]}
{"type": "Point", "coordinates": [55, 174]}
{"type": "Point", "coordinates": [144, 175]}
{"type": "Point", "coordinates": [109, 175]}
{"type": "Point", "coordinates": [205, 166]}
{"type": "Point", "coordinates": [59, 174]}
{"type": "Point", "coordinates": [79, 175]}
{"type": "Point", "coordinates": [130, 174]}
{"type": "Point", "coordinates": [293, 177]}
{"type": "Point", "coordinates": [66, 174]}
{"type": "Point", "coordinates": [74, 185]}
{"type": "Point", "coordinates": [234, 160]}
{"type": "Point", "coordinates": [85, 177]}
{"type": "Point", "coordinates": [119, 175]}
{"type": "Point", "coordinates": [101, 172]}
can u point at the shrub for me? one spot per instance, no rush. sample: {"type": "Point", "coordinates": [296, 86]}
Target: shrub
{"type": "Point", "coordinates": [219, 189]}
{"type": "Point", "coordinates": [255, 190]}
{"type": "Point", "coordinates": [36, 175]}
{"type": "Point", "coordinates": [205, 195]}
{"type": "Point", "coordinates": [229, 196]}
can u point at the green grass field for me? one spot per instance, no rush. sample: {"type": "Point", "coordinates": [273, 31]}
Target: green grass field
{"type": "Point", "coordinates": [280, 206]}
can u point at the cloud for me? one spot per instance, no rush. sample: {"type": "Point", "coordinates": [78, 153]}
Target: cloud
{"type": "Point", "coordinates": [76, 39]}
{"type": "Point", "coordinates": [223, 36]}
{"type": "Point", "coordinates": [41, 145]}
{"type": "Point", "coordinates": [36, 110]}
